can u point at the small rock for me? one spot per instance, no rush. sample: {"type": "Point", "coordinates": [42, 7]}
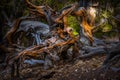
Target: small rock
{"type": "Point", "coordinates": [76, 70]}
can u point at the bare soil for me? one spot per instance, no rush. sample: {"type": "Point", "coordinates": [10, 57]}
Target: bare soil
{"type": "Point", "coordinates": [85, 69]}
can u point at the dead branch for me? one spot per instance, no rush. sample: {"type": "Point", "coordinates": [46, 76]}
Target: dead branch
{"type": "Point", "coordinates": [32, 52]}
{"type": "Point", "coordinates": [12, 31]}
{"type": "Point", "coordinates": [93, 52]}
{"type": "Point", "coordinates": [14, 28]}
{"type": "Point", "coordinates": [62, 17]}
{"type": "Point", "coordinates": [38, 9]}
{"type": "Point", "coordinates": [91, 11]}
{"type": "Point", "coordinates": [47, 12]}
{"type": "Point", "coordinates": [86, 28]}
{"type": "Point", "coordinates": [38, 50]}
{"type": "Point", "coordinates": [64, 13]}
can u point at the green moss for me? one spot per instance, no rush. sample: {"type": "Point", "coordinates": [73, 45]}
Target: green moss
{"type": "Point", "coordinates": [107, 28]}
{"type": "Point", "coordinates": [73, 23]}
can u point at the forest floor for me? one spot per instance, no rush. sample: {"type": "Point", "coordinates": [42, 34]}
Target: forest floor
{"type": "Point", "coordinates": [87, 69]}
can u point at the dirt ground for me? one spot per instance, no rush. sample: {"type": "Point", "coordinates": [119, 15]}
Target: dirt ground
{"type": "Point", "coordinates": [85, 69]}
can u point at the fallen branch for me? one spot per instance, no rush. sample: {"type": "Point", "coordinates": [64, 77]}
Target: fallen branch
{"type": "Point", "coordinates": [33, 53]}
{"type": "Point", "coordinates": [10, 34]}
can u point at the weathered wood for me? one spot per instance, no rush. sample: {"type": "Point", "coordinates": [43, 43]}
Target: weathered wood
{"type": "Point", "coordinates": [10, 33]}
{"type": "Point", "coordinates": [62, 17]}
{"type": "Point", "coordinates": [38, 9]}
{"type": "Point", "coordinates": [112, 53]}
